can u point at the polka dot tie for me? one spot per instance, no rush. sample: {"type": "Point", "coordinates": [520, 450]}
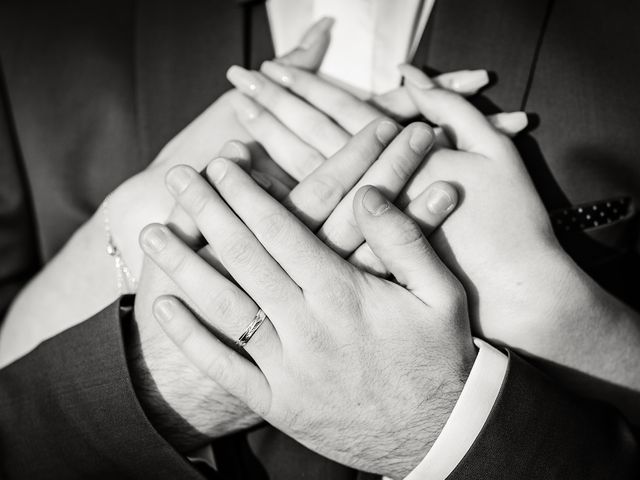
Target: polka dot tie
{"type": "Point", "coordinates": [591, 215]}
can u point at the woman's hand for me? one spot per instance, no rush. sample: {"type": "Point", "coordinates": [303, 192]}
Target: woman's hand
{"type": "Point", "coordinates": [523, 289]}
{"type": "Point", "coordinates": [300, 119]}
{"type": "Point", "coordinates": [347, 363]}
{"type": "Point", "coordinates": [81, 279]}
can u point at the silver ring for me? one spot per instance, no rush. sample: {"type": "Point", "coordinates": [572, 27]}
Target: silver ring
{"type": "Point", "coordinates": [252, 328]}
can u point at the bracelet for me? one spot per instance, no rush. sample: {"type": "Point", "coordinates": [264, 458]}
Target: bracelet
{"type": "Point", "coordinates": [125, 280]}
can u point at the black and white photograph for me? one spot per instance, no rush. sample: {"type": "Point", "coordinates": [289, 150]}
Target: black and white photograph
{"type": "Point", "coordinates": [319, 239]}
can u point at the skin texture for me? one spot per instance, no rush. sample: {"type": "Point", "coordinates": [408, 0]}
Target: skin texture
{"type": "Point", "coordinates": [380, 144]}
{"type": "Point", "coordinates": [336, 343]}
{"type": "Point", "coordinates": [538, 302]}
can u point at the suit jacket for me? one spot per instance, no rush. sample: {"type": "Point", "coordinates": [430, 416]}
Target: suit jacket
{"type": "Point", "coordinates": [89, 93]}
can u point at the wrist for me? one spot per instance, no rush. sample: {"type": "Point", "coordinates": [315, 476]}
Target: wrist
{"type": "Point", "coordinates": [163, 411]}
{"type": "Point", "coordinates": [436, 414]}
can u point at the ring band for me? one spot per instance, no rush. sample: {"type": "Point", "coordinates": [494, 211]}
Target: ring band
{"type": "Point", "coordinates": [252, 328]}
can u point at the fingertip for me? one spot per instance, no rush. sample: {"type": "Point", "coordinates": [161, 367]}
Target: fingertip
{"type": "Point", "coordinates": [237, 152]}
{"type": "Point", "coordinates": [178, 178]}
{"type": "Point", "coordinates": [319, 29]}
{"type": "Point", "coordinates": [164, 308]}
{"type": "Point", "coordinates": [422, 137]}
{"type": "Point", "coordinates": [371, 201]}
{"type": "Point", "coordinates": [415, 77]}
{"type": "Point", "coordinates": [153, 238]}
{"type": "Point", "coordinates": [441, 198]}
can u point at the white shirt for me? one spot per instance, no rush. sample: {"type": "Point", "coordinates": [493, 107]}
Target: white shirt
{"type": "Point", "coordinates": [369, 39]}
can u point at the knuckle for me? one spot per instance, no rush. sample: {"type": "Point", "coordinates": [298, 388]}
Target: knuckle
{"type": "Point", "coordinates": [224, 303]}
{"type": "Point", "coordinates": [325, 189]}
{"type": "Point", "coordinates": [454, 295]}
{"type": "Point", "coordinates": [177, 263]}
{"type": "Point", "coordinates": [273, 225]}
{"type": "Point", "coordinates": [219, 369]}
{"type": "Point", "coordinates": [182, 335]}
{"type": "Point", "coordinates": [339, 292]}
{"type": "Point", "coordinates": [408, 235]}
{"type": "Point", "coordinates": [309, 162]}
{"type": "Point", "coordinates": [403, 167]}
{"type": "Point", "coordinates": [240, 252]}
{"type": "Point", "coordinates": [196, 199]}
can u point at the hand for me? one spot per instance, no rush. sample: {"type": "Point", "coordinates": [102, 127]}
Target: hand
{"type": "Point", "coordinates": [186, 407]}
{"type": "Point", "coordinates": [523, 289]}
{"type": "Point", "coordinates": [319, 119]}
{"type": "Point", "coordinates": [197, 144]}
{"type": "Point", "coordinates": [336, 342]}
{"type": "Point", "coordinates": [325, 197]}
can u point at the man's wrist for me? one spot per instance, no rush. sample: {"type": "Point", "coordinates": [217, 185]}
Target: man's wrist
{"type": "Point", "coordinates": [468, 416]}
{"type": "Point", "coordinates": [175, 429]}
{"type": "Point", "coordinates": [441, 404]}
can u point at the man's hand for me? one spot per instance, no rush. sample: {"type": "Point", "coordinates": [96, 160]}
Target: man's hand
{"type": "Point", "coordinates": [185, 406]}
{"type": "Point", "coordinates": [357, 368]}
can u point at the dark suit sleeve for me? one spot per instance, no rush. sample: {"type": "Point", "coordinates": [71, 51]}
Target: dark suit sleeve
{"type": "Point", "coordinates": [68, 410]}
{"type": "Point", "coordinates": [537, 430]}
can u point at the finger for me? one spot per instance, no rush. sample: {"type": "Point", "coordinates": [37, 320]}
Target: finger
{"type": "Point", "coordinates": [399, 105]}
{"type": "Point", "coordinates": [300, 253]}
{"type": "Point", "coordinates": [429, 210]}
{"type": "Point", "coordinates": [313, 199]}
{"type": "Point", "coordinates": [310, 125]}
{"type": "Point", "coordinates": [463, 82]}
{"type": "Point", "coordinates": [293, 155]}
{"type": "Point", "coordinates": [348, 111]}
{"type": "Point", "coordinates": [225, 307]}
{"type": "Point", "coordinates": [237, 248]}
{"type": "Point", "coordinates": [390, 173]}
{"type": "Point", "coordinates": [214, 359]}
{"type": "Point", "coordinates": [399, 243]}
{"type": "Point", "coordinates": [180, 223]}
{"type": "Point", "coordinates": [424, 176]}
{"type": "Point", "coordinates": [465, 126]}
{"type": "Point", "coordinates": [511, 123]}
{"type": "Point", "coordinates": [313, 46]}
{"type": "Point", "coordinates": [272, 185]}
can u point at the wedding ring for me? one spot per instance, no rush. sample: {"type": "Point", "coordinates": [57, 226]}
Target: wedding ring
{"type": "Point", "coordinates": [252, 328]}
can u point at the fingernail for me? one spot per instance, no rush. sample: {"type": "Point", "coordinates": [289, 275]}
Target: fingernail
{"type": "Point", "coordinates": [261, 179]}
{"type": "Point", "coordinates": [420, 139]}
{"type": "Point", "coordinates": [513, 122]}
{"type": "Point", "coordinates": [277, 72]}
{"type": "Point", "coordinates": [154, 239]}
{"type": "Point", "coordinates": [245, 107]}
{"type": "Point", "coordinates": [468, 82]}
{"type": "Point", "coordinates": [316, 32]}
{"type": "Point", "coordinates": [217, 169]}
{"type": "Point", "coordinates": [232, 150]}
{"type": "Point", "coordinates": [244, 80]}
{"type": "Point", "coordinates": [178, 179]}
{"type": "Point", "coordinates": [439, 201]}
{"type": "Point", "coordinates": [163, 309]}
{"type": "Point", "coordinates": [386, 131]}
{"type": "Point", "coordinates": [416, 77]}
{"type": "Point", "coordinates": [374, 202]}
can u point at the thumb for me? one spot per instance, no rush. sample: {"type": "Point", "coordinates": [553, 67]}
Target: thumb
{"type": "Point", "coordinates": [402, 247]}
{"type": "Point", "coordinates": [313, 47]}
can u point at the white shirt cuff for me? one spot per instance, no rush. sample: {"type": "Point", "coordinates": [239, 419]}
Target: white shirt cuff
{"type": "Point", "coordinates": [467, 417]}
